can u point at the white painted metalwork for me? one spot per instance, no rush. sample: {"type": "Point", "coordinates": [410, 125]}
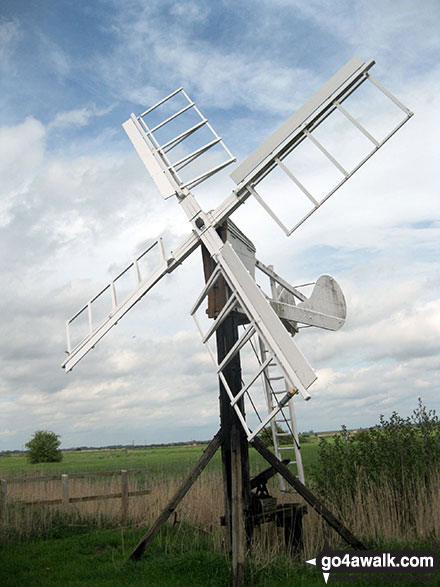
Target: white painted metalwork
{"type": "Point", "coordinates": [235, 303]}
{"type": "Point", "coordinates": [155, 153]}
{"type": "Point", "coordinates": [324, 308]}
{"type": "Point", "coordinates": [180, 150]}
{"type": "Point", "coordinates": [283, 426]}
{"type": "Point", "coordinates": [76, 349]}
{"type": "Point", "coordinates": [299, 127]}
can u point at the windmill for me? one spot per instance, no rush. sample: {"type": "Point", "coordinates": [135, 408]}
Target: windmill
{"type": "Point", "coordinates": [181, 150]}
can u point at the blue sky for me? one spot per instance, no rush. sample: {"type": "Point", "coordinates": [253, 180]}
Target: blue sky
{"type": "Point", "coordinates": [77, 205]}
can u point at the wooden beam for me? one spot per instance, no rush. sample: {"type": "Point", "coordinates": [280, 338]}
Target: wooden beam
{"type": "Point", "coordinates": [75, 475]}
{"type": "Point", "coordinates": [3, 500]}
{"type": "Point", "coordinates": [81, 499]}
{"type": "Point", "coordinates": [124, 495]}
{"type": "Point", "coordinates": [238, 516]}
{"type": "Point", "coordinates": [65, 491]}
{"type": "Point", "coordinates": [305, 492]}
{"type": "Point", "coordinates": [178, 496]}
{"type": "Point", "coordinates": [235, 455]}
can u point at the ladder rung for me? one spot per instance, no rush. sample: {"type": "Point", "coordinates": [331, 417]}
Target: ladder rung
{"type": "Point", "coordinates": [283, 434]}
{"type": "Point", "coordinates": [251, 382]}
{"type": "Point", "coordinates": [175, 115]}
{"type": "Point", "coordinates": [277, 378]}
{"type": "Point", "coordinates": [176, 140]}
{"type": "Point", "coordinates": [237, 346]}
{"type": "Point", "coordinates": [187, 159]}
{"type": "Point", "coordinates": [222, 315]}
{"type": "Point", "coordinates": [285, 447]}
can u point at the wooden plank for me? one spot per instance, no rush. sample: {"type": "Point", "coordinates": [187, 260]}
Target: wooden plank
{"type": "Point", "coordinates": [124, 495]}
{"type": "Point", "coordinates": [109, 496]}
{"type": "Point", "coordinates": [235, 457]}
{"type": "Point", "coordinates": [108, 473]}
{"type": "Point", "coordinates": [3, 497]}
{"type": "Point", "coordinates": [31, 479]}
{"type": "Point", "coordinates": [75, 475]}
{"type": "Point", "coordinates": [65, 490]}
{"type": "Point", "coordinates": [82, 498]}
{"type": "Point", "coordinates": [217, 295]}
{"type": "Point", "coordinates": [37, 502]}
{"type": "Point", "coordinates": [237, 509]}
{"type": "Point", "coordinates": [178, 496]}
{"type": "Point", "coordinates": [305, 492]}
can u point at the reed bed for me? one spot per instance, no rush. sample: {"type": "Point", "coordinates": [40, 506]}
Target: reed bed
{"type": "Point", "coordinates": [374, 513]}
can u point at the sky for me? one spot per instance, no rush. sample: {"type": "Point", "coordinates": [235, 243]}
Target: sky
{"type": "Point", "coordinates": [77, 206]}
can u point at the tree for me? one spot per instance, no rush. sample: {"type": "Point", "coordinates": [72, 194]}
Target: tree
{"type": "Point", "coordinates": [400, 453]}
{"type": "Point", "coordinates": [43, 447]}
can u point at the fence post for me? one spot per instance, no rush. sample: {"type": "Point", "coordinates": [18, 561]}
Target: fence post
{"type": "Point", "coordinates": [124, 495]}
{"type": "Point", "coordinates": [65, 491]}
{"type": "Point", "coordinates": [3, 506]}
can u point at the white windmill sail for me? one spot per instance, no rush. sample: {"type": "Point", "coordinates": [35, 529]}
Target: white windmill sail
{"type": "Point", "coordinates": [280, 350]}
{"type": "Point", "coordinates": [272, 153]}
{"type": "Point", "coordinates": [86, 327]}
{"type": "Point", "coordinates": [180, 149]}
{"type": "Point", "coordinates": [184, 125]}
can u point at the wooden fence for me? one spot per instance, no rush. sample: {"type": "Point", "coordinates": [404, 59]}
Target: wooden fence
{"type": "Point", "coordinates": [66, 499]}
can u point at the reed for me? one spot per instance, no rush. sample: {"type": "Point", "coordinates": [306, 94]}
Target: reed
{"type": "Point", "coordinates": [374, 512]}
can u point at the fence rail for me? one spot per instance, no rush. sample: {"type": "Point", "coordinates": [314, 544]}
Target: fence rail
{"type": "Point", "coordinates": [66, 499]}
{"type": "Point", "coordinates": [73, 476]}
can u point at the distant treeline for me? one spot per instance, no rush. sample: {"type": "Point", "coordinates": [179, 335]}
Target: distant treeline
{"type": "Point", "coordinates": [309, 433]}
{"type": "Point", "coordinates": [118, 447]}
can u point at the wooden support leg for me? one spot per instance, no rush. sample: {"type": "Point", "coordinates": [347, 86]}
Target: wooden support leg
{"type": "Point", "coordinates": [305, 492]}
{"type": "Point", "coordinates": [178, 496]}
{"type": "Point", "coordinates": [235, 455]}
{"type": "Point", "coordinates": [237, 513]}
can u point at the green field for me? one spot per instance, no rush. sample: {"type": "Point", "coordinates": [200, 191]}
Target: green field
{"type": "Point", "coordinates": [173, 460]}
{"type": "Point", "coordinates": [73, 553]}
{"type": "Point", "coordinates": [83, 549]}
{"type": "Point", "coordinates": [99, 558]}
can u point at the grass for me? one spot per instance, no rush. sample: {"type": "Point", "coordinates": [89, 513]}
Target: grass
{"type": "Point", "coordinates": [173, 559]}
{"type": "Point", "coordinates": [99, 558]}
{"type": "Point", "coordinates": [89, 546]}
{"type": "Point", "coordinates": [175, 460]}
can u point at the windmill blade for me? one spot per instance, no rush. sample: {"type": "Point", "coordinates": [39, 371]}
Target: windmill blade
{"type": "Point", "coordinates": [319, 104]}
{"type": "Point", "coordinates": [168, 155]}
{"type": "Point", "coordinates": [328, 300]}
{"type": "Point", "coordinates": [267, 324]}
{"type": "Point", "coordinates": [247, 298]}
{"type": "Point", "coordinates": [264, 320]}
{"type": "Point", "coordinates": [98, 326]}
{"type": "Point", "coordinates": [262, 324]}
{"type": "Point", "coordinates": [271, 154]}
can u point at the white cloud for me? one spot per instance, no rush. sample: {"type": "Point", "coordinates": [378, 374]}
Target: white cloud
{"type": "Point", "coordinates": [55, 58]}
{"type": "Point", "coordinates": [71, 222]}
{"type": "Point", "coordinates": [223, 77]}
{"type": "Point", "coordinates": [22, 149]}
{"type": "Point", "coordinates": [9, 35]}
{"type": "Point", "coordinates": [189, 12]}
{"type": "Point", "coordinates": [77, 118]}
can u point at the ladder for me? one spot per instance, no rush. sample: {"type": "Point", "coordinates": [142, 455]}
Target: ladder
{"type": "Point", "coordinates": [283, 426]}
